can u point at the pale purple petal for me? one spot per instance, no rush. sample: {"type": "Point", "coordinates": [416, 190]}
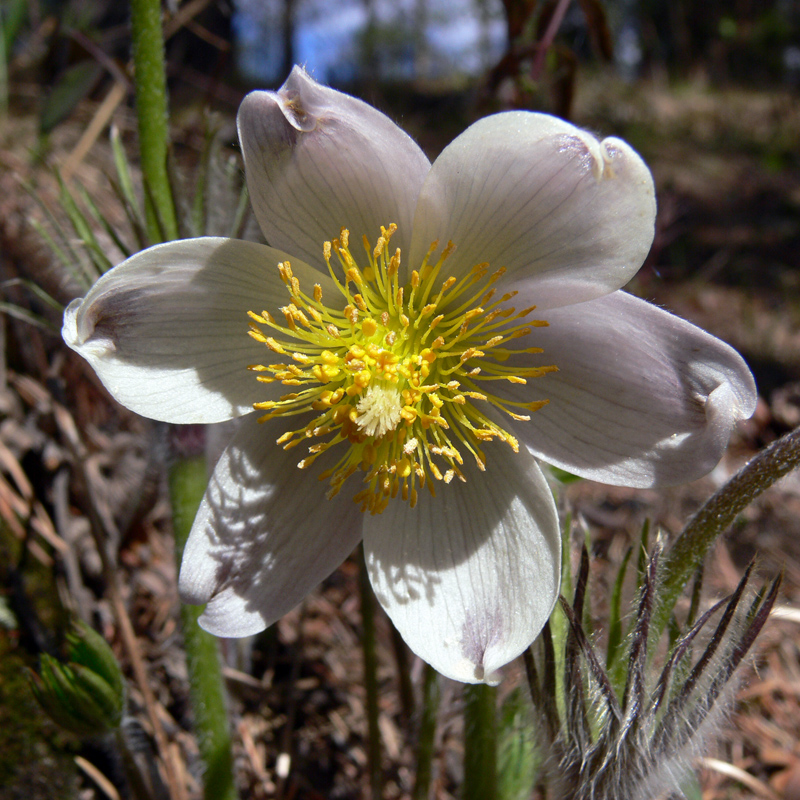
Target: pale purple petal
{"type": "Point", "coordinates": [318, 160]}
{"type": "Point", "coordinates": [470, 577]}
{"type": "Point", "coordinates": [166, 330]}
{"type": "Point", "coordinates": [265, 534]}
{"type": "Point", "coordinates": [642, 398]}
{"type": "Point", "coordinates": [543, 199]}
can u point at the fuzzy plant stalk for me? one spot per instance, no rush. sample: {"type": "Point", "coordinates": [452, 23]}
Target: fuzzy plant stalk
{"type": "Point", "coordinates": [480, 742]}
{"type": "Point", "coordinates": [640, 740]}
{"type": "Point", "coordinates": [427, 733]}
{"type": "Point", "coordinates": [151, 112]}
{"type": "Point", "coordinates": [187, 483]}
{"type": "Point", "coordinates": [689, 549]}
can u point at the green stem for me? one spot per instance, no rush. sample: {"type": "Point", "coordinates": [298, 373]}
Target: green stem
{"type": "Point", "coordinates": [370, 679]}
{"type": "Point", "coordinates": [151, 111]}
{"type": "Point", "coordinates": [187, 482]}
{"type": "Point", "coordinates": [403, 675]}
{"type": "Point", "coordinates": [427, 733]}
{"type": "Point", "coordinates": [689, 549]}
{"type": "Point", "coordinates": [480, 742]}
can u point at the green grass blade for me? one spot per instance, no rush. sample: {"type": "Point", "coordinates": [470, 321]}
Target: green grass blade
{"type": "Point", "coordinates": [28, 316]}
{"type": "Point", "coordinates": [83, 230]}
{"type": "Point", "coordinates": [103, 221]}
{"type": "Point", "coordinates": [518, 759]}
{"type": "Point", "coordinates": [72, 260]}
{"type": "Point", "coordinates": [36, 290]}
{"type": "Point", "coordinates": [124, 186]}
{"type": "Point", "coordinates": [240, 217]}
{"type": "Point", "coordinates": [615, 615]}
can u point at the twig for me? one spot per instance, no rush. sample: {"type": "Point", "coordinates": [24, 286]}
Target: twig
{"type": "Point", "coordinates": [549, 35]}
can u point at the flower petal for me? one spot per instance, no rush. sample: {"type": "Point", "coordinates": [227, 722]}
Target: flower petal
{"type": "Point", "coordinates": [265, 535]}
{"type": "Point", "coordinates": [469, 577]}
{"type": "Point", "coordinates": [318, 160]}
{"type": "Point", "coordinates": [642, 398]}
{"type": "Point", "coordinates": [166, 330]}
{"type": "Point", "coordinates": [543, 199]}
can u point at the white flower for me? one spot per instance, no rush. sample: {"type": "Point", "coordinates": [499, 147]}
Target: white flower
{"type": "Point", "coordinates": [400, 376]}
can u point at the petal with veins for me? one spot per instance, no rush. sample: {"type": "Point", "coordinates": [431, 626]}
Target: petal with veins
{"type": "Point", "coordinates": [543, 199]}
{"type": "Point", "coordinates": [470, 577]}
{"type": "Point", "coordinates": [166, 330]}
{"type": "Point", "coordinates": [265, 534]}
{"type": "Point", "coordinates": [318, 160]}
{"type": "Point", "coordinates": [641, 397]}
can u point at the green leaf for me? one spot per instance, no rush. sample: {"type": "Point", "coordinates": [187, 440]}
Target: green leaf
{"type": "Point", "coordinates": [87, 694]}
{"type": "Point", "coordinates": [562, 476]}
{"type": "Point", "coordinates": [125, 190]}
{"type": "Point", "coordinates": [103, 221]}
{"type": "Point", "coordinates": [71, 259]}
{"type": "Point", "coordinates": [615, 615]}
{"type": "Point", "coordinates": [691, 788]}
{"type": "Point", "coordinates": [71, 87]}
{"type": "Point", "coordinates": [641, 563]}
{"type": "Point", "coordinates": [240, 217]}
{"type": "Point", "coordinates": [23, 314]}
{"type": "Point", "coordinates": [89, 649]}
{"type": "Point", "coordinates": [36, 290]}
{"type": "Point", "coordinates": [199, 216]}
{"type": "Point", "coordinates": [12, 16]}
{"type": "Point", "coordinates": [83, 230]}
{"type": "Point", "coordinates": [109, 704]}
{"type": "Point", "coordinates": [518, 758]}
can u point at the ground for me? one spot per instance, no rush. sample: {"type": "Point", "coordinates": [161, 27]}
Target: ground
{"type": "Point", "coordinates": [725, 256]}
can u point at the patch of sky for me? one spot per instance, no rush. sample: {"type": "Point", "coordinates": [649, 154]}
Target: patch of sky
{"type": "Point", "coordinates": [339, 40]}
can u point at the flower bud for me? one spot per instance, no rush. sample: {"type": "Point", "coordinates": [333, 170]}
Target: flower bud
{"type": "Point", "coordinates": [87, 693]}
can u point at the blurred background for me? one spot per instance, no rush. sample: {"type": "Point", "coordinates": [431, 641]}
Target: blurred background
{"type": "Point", "coordinates": [708, 92]}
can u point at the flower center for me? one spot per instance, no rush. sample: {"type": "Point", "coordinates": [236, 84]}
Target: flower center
{"type": "Point", "coordinates": [400, 375]}
{"type": "Point", "coordinates": [379, 410]}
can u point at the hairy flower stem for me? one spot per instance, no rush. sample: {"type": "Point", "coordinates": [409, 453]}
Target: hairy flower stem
{"type": "Point", "coordinates": [689, 549]}
{"type": "Point", "coordinates": [370, 679]}
{"type": "Point", "coordinates": [406, 687]}
{"type": "Point", "coordinates": [427, 733]}
{"type": "Point", "coordinates": [151, 112]}
{"type": "Point", "coordinates": [480, 742]}
{"type": "Point", "coordinates": [187, 482]}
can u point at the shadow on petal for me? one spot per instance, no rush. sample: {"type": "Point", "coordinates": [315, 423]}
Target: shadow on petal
{"type": "Point", "coordinates": [318, 160]}
{"type": "Point", "coordinates": [470, 577]}
{"type": "Point", "coordinates": [641, 397]}
{"type": "Point", "coordinates": [167, 330]}
{"type": "Point", "coordinates": [265, 534]}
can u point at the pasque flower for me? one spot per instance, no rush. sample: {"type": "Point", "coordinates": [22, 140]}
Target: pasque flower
{"type": "Point", "coordinates": [414, 338]}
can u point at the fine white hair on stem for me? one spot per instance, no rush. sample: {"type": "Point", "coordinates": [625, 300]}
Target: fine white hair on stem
{"type": "Point", "coordinates": [641, 741]}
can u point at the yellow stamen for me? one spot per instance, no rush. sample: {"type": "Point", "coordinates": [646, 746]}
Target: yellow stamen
{"type": "Point", "coordinates": [406, 405]}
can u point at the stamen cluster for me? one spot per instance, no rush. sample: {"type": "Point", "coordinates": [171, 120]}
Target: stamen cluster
{"type": "Point", "coordinates": [398, 373]}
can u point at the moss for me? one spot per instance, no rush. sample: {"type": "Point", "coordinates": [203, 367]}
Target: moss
{"type": "Point", "coordinates": [35, 758]}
